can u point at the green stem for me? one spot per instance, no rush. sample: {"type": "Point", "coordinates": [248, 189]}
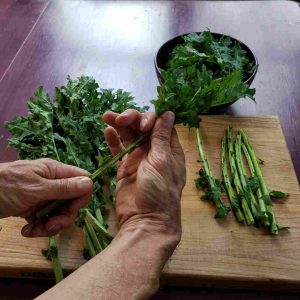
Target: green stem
{"type": "Point", "coordinates": [203, 157]}
{"type": "Point", "coordinates": [117, 157]}
{"type": "Point", "coordinates": [222, 209]}
{"type": "Point", "coordinates": [263, 186]}
{"type": "Point", "coordinates": [93, 236]}
{"type": "Point", "coordinates": [89, 243]}
{"type": "Point", "coordinates": [103, 241]}
{"type": "Point", "coordinates": [197, 92]}
{"type": "Point", "coordinates": [58, 273]}
{"type": "Point", "coordinates": [245, 207]}
{"type": "Point", "coordinates": [241, 169]}
{"type": "Point", "coordinates": [261, 202]}
{"type": "Point", "coordinates": [45, 212]}
{"type": "Point", "coordinates": [98, 216]}
{"type": "Point", "coordinates": [97, 226]}
{"type": "Point", "coordinates": [230, 193]}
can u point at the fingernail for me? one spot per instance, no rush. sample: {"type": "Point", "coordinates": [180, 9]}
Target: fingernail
{"type": "Point", "coordinates": [54, 229]}
{"type": "Point", "coordinates": [124, 113]}
{"type": "Point", "coordinates": [83, 181]}
{"type": "Point", "coordinates": [26, 230]}
{"type": "Point", "coordinates": [170, 116]}
{"type": "Point", "coordinates": [143, 124]}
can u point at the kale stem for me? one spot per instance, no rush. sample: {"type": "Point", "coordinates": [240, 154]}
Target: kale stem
{"type": "Point", "coordinates": [97, 226]}
{"type": "Point", "coordinates": [44, 213]}
{"type": "Point", "coordinates": [261, 202]}
{"type": "Point", "coordinates": [263, 186]}
{"type": "Point", "coordinates": [203, 158]}
{"type": "Point", "coordinates": [58, 273]}
{"type": "Point", "coordinates": [98, 216]}
{"type": "Point", "coordinates": [117, 157]}
{"type": "Point", "coordinates": [102, 240]}
{"type": "Point", "coordinates": [93, 237]}
{"type": "Point", "coordinates": [222, 209]}
{"type": "Point", "coordinates": [230, 193]}
{"type": "Point", "coordinates": [89, 243]}
{"type": "Point", "coordinates": [241, 170]}
{"type": "Point", "coordinates": [245, 207]}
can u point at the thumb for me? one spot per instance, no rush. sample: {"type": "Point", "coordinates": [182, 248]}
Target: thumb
{"type": "Point", "coordinates": [67, 188]}
{"type": "Point", "coordinates": [162, 131]}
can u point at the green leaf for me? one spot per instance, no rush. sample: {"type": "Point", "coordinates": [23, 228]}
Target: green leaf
{"type": "Point", "coordinates": [70, 128]}
{"type": "Point", "coordinates": [285, 228]}
{"type": "Point", "coordinates": [278, 194]}
{"type": "Point", "coordinates": [252, 183]}
{"type": "Point", "coordinates": [222, 212]}
{"type": "Point", "coordinates": [202, 72]}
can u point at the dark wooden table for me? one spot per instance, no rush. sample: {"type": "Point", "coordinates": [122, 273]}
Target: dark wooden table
{"type": "Point", "coordinates": [41, 42]}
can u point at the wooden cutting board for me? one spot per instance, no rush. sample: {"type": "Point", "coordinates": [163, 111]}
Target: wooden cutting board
{"type": "Point", "coordinates": [212, 252]}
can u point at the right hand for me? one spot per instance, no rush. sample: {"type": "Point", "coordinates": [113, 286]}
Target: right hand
{"type": "Point", "coordinates": [151, 178]}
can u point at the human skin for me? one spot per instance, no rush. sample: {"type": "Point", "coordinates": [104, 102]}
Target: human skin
{"type": "Point", "coordinates": [26, 186]}
{"type": "Point", "coordinates": [149, 185]}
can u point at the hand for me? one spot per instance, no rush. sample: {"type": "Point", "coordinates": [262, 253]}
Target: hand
{"type": "Point", "coordinates": [26, 186]}
{"type": "Point", "coordinates": [151, 178]}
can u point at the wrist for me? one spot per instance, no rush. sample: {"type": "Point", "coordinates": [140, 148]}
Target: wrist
{"type": "Point", "coordinates": [152, 231]}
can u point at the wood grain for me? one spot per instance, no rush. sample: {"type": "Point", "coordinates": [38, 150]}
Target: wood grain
{"type": "Point", "coordinates": [211, 253]}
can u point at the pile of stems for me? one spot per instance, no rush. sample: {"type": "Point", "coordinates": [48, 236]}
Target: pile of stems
{"type": "Point", "coordinates": [245, 205]}
{"type": "Point", "coordinates": [96, 236]}
{"type": "Point", "coordinates": [249, 196]}
{"type": "Point", "coordinates": [263, 193]}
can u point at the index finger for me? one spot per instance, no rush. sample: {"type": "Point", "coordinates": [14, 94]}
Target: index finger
{"type": "Point", "coordinates": [130, 124]}
{"type": "Point", "coordinates": [58, 170]}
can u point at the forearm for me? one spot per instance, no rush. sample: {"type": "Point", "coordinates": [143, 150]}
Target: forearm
{"type": "Point", "coordinates": [128, 269]}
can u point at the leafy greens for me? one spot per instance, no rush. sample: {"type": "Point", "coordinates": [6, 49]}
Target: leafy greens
{"type": "Point", "coordinates": [203, 72]}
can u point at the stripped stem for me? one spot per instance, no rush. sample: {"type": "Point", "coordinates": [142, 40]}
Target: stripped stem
{"type": "Point", "coordinates": [244, 204]}
{"type": "Point", "coordinates": [52, 254]}
{"type": "Point", "coordinates": [230, 193]}
{"type": "Point", "coordinates": [261, 202]}
{"type": "Point", "coordinates": [215, 190]}
{"type": "Point", "coordinates": [265, 192]}
{"type": "Point", "coordinates": [93, 236]}
{"type": "Point", "coordinates": [89, 243]}
{"type": "Point", "coordinates": [241, 170]}
{"type": "Point", "coordinates": [96, 225]}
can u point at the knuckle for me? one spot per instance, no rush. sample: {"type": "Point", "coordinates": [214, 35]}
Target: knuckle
{"type": "Point", "coordinates": [46, 160]}
{"type": "Point", "coordinates": [161, 136]}
{"type": "Point", "coordinates": [63, 186]}
{"type": "Point", "coordinates": [161, 160]}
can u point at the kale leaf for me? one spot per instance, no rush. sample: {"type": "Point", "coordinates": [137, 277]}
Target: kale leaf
{"type": "Point", "coordinates": [70, 128]}
{"type": "Point", "coordinates": [203, 72]}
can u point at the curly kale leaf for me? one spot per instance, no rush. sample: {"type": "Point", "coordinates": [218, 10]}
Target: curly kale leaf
{"type": "Point", "coordinates": [70, 128]}
{"type": "Point", "coordinates": [202, 72]}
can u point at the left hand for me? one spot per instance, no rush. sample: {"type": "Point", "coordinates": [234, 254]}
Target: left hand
{"type": "Point", "coordinates": [28, 185]}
